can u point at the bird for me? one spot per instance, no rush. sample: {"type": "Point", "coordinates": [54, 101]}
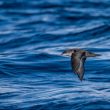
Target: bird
{"type": "Point", "coordinates": [78, 58]}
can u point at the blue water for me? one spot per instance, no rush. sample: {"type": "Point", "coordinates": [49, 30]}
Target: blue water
{"type": "Point", "coordinates": [33, 74]}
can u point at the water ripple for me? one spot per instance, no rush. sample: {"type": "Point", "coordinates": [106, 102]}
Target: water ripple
{"type": "Point", "coordinates": [33, 73]}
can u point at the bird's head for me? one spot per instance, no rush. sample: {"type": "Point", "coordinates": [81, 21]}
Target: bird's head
{"type": "Point", "coordinates": [69, 52]}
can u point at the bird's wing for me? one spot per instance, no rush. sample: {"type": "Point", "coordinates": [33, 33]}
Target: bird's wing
{"type": "Point", "coordinates": [78, 65]}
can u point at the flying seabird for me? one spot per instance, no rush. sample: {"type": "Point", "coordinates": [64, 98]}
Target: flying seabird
{"type": "Point", "coordinates": [78, 57]}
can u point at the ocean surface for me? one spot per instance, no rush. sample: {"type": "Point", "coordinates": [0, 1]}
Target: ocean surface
{"type": "Point", "coordinates": [33, 74]}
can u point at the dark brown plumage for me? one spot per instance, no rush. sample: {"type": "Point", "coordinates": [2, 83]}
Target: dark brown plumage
{"type": "Point", "coordinates": [78, 58]}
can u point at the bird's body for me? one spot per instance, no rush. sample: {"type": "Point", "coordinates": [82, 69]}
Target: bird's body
{"type": "Point", "coordinates": [78, 58]}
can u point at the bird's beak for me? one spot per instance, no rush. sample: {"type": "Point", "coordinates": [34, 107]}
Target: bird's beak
{"type": "Point", "coordinates": [65, 54]}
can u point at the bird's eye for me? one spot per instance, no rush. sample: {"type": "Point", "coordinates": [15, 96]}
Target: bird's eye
{"type": "Point", "coordinates": [83, 53]}
{"type": "Point", "coordinates": [74, 50]}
